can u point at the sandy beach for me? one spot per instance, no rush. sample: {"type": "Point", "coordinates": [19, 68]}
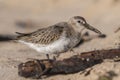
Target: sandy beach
{"type": "Point", "coordinates": [102, 14]}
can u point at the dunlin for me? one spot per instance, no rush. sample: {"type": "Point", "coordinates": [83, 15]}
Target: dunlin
{"type": "Point", "coordinates": [57, 38]}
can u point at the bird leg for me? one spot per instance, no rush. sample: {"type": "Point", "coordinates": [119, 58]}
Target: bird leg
{"type": "Point", "coordinates": [48, 57]}
{"type": "Point", "coordinates": [54, 58]}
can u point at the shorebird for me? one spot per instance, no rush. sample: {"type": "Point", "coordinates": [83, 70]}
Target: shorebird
{"type": "Point", "coordinates": [57, 38]}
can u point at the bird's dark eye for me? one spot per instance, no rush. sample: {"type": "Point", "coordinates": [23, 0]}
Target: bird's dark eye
{"type": "Point", "coordinates": [78, 21]}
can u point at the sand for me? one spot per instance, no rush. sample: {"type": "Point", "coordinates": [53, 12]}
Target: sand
{"type": "Point", "coordinates": [103, 14]}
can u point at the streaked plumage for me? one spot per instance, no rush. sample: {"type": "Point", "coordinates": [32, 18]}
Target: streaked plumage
{"type": "Point", "coordinates": [57, 38]}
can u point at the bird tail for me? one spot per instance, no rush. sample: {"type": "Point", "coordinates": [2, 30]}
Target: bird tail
{"type": "Point", "coordinates": [21, 34]}
{"type": "Point", "coordinates": [13, 37]}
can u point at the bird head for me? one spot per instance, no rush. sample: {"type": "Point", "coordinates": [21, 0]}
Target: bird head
{"type": "Point", "coordinates": [79, 22]}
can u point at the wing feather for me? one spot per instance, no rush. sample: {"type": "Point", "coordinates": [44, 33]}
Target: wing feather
{"type": "Point", "coordinates": [43, 36]}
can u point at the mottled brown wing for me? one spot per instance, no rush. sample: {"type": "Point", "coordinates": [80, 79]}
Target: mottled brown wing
{"type": "Point", "coordinates": [43, 36]}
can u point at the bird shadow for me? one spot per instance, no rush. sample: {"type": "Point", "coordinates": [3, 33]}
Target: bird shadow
{"type": "Point", "coordinates": [87, 37]}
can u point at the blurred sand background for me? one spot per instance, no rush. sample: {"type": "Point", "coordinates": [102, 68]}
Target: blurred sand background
{"type": "Point", "coordinates": [103, 14]}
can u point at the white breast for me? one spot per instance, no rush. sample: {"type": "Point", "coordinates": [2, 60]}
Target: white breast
{"type": "Point", "coordinates": [55, 47]}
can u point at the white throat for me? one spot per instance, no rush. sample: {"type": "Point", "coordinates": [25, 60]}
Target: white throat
{"type": "Point", "coordinates": [76, 26]}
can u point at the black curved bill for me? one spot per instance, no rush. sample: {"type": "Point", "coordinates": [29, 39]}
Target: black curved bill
{"type": "Point", "coordinates": [92, 28]}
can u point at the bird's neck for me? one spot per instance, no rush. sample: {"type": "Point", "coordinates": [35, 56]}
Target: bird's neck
{"type": "Point", "coordinates": [73, 31]}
